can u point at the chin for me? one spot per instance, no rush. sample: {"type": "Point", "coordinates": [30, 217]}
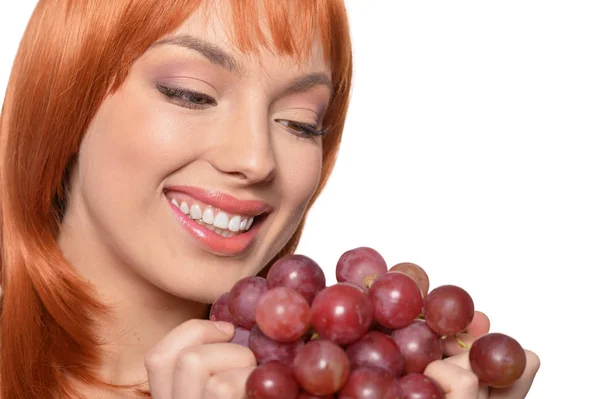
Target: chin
{"type": "Point", "coordinates": [203, 286]}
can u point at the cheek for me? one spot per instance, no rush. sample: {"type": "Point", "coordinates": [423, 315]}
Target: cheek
{"type": "Point", "coordinates": [130, 146]}
{"type": "Point", "coordinates": [300, 170]}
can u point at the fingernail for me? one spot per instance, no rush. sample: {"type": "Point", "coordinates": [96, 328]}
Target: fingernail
{"type": "Point", "coordinates": [227, 328]}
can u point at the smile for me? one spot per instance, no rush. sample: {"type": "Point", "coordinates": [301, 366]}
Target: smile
{"type": "Point", "coordinates": [222, 223]}
{"type": "Point", "coordinates": [215, 221]}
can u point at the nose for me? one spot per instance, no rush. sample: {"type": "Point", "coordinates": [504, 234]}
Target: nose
{"type": "Point", "coordinates": [244, 149]}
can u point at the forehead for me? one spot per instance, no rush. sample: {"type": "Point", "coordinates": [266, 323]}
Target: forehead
{"type": "Point", "coordinates": [253, 40]}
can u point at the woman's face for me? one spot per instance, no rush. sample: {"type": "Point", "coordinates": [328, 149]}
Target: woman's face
{"type": "Point", "coordinates": [200, 167]}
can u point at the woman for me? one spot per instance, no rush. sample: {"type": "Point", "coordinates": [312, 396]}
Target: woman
{"type": "Point", "coordinates": [154, 153]}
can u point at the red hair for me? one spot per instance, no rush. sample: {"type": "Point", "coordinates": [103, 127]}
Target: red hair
{"type": "Point", "coordinates": [71, 56]}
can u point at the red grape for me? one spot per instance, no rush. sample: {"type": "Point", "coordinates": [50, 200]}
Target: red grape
{"type": "Point", "coordinates": [448, 309]}
{"type": "Point", "coordinates": [271, 380]}
{"type": "Point", "coordinates": [370, 383]}
{"type": "Point", "coordinates": [382, 329]}
{"type": "Point", "coordinates": [321, 367]}
{"type": "Point", "coordinates": [341, 313]}
{"type": "Point", "coordinates": [419, 346]}
{"type": "Point", "coordinates": [418, 386]}
{"type": "Point", "coordinates": [360, 266]}
{"type": "Point", "coordinates": [308, 395]}
{"type": "Point", "coordinates": [243, 298]}
{"type": "Point", "coordinates": [415, 272]}
{"type": "Point", "coordinates": [497, 359]}
{"type": "Point", "coordinates": [241, 336]}
{"type": "Point", "coordinates": [371, 335]}
{"type": "Point", "coordinates": [396, 299]}
{"type": "Point", "coordinates": [265, 349]}
{"type": "Point", "coordinates": [378, 350]}
{"type": "Point", "coordinates": [219, 311]}
{"type": "Point", "coordinates": [283, 314]}
{"type": "Point", "coordinates": [297, 272]}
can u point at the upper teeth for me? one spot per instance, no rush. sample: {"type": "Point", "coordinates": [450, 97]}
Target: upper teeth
{"type": "Point", "coordinates": [215, 218]}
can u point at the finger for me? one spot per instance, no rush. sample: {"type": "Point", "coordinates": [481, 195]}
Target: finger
{"type": "Point", "coordinates": [519, 389]}
{"type": "Point", "coordinates": [456, 381]}
{"type": "Point", "coordinates": [195, 365]}
{"type": "Point", "coordinates": [229, 384]}
{"type": "Point", "coordinates": [452, 347]}
{"type": "Point", "coordinates": [160, 360]}
{"type": "Point", "coordinates": [463, 362]}
{"type": "Point", "coordinates": [479, 326]}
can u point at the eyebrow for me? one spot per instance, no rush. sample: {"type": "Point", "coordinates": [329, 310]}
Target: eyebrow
{"type": "Point", "coordinates": [210, 51]}
{"type": "Point", "coordinates": [221, 58]}
{"type": "Point", "coordinates": [307, 82]}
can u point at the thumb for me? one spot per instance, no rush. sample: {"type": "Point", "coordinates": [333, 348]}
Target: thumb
{"type": "Point", "coordinates": [479, 326]}
{"type": "Point", "coordinates": [194, 332]}
{"type": "Point", "coordinates": [160, 360]}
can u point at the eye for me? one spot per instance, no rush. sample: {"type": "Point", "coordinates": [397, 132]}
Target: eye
{"type": "Point", "coordinates": [301, 129]}
{"type": "Point", "coordinates": [187, 98]}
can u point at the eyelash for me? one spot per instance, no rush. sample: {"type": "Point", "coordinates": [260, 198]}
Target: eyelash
{"type": "Point", "coordinates": [305, 129]}
{"type": "Point", "coordinates": [185, 98]}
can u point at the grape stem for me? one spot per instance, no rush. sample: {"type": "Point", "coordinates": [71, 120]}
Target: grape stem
{"type": "Point", "coordinates": [369, 280]}
{"type": "Point", "coordinates": [461, 343]}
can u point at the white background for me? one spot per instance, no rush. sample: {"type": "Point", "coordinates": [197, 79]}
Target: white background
{"type": "Point", "coordinates": [471, 148]}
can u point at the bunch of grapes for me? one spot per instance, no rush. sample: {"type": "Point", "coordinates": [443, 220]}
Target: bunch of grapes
{"type": "Point", "coordinates": [371, 335]}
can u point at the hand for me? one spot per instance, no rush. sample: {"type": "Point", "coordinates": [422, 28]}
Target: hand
{"type": "Point", "coordinates": [455, 377]}
{"type": "Point", "coordinates": [196, 360]}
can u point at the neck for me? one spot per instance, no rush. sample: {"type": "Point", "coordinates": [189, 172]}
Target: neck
{"type": "Point", "coordinates": [141, 314]}
{"type": "Point", "coordinates": [133, 327]}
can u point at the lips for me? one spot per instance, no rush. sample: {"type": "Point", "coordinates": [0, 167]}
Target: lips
{"type": "Point", "coordinates": [219, 232]}
{"type": "Point", "coordinates": [217, 220]}
{"type": "Point", "coordinates": [223, 201]}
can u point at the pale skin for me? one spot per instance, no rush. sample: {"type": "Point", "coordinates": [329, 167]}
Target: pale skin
{"type": "Point", "coordinates": [119, 233]}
